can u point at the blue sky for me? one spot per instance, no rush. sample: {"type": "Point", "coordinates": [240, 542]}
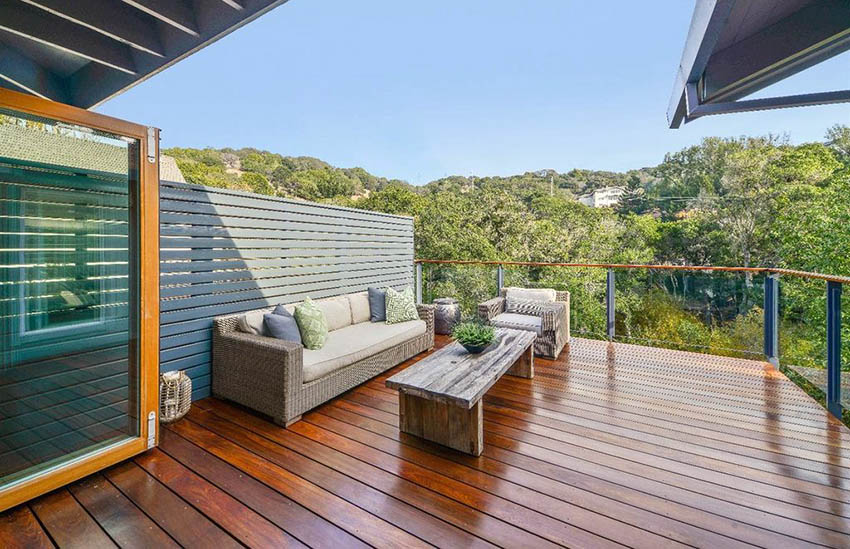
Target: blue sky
{"type": "Point", "coordinates": [419, 90]}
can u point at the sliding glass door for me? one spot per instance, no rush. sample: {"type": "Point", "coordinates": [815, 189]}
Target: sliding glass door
{"type": "Point", "coordinates": [71, 358]}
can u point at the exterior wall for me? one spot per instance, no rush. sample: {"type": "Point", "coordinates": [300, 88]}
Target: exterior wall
{"type": "Point", "coordinates": [603, 198]}
{"type": "Point", "coordinates": [224, 251]}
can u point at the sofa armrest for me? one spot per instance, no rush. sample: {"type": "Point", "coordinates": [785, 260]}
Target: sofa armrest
{"type": "Point", "coordinates": [426, 313]}
{"type": "Point", "coordinates": [257, 371]}
{"type": "Point", "coordinates": [491, 308]}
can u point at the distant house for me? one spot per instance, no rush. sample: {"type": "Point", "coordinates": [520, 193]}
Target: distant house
{"type": "Point", "coordinates": [605, 197]}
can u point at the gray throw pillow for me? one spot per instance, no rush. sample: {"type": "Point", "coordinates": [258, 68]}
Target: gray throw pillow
{"type": "Point", "coordinates": [281, 310]}
{"type": "Point", "coordinates": [282, 327]}
{"type": "Point", "coordinates": [377, 304]}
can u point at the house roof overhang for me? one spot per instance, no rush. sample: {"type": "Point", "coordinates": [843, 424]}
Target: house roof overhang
{"type": "Point", "coordinates": [737, 47]}
{"type": "Point", "coordinates": [83, 52]}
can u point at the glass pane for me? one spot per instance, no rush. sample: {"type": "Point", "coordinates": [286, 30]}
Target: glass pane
{"type": "Point", "coordinates": [68, 292]}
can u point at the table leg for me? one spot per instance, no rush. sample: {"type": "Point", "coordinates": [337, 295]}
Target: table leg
{"type": "Point", "coordinates": [524, 366]}
{"type": "Point", "coordinates": [446, 424]}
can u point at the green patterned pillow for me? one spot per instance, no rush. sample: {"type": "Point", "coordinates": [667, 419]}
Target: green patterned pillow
{"type": "Point", "coordinates": [312, 324]}
{"type": "Point", "coordinates": [401, 307]}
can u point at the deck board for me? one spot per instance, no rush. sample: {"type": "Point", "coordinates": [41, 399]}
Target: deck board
{"type": "Point", "coordinates": [610, 445]}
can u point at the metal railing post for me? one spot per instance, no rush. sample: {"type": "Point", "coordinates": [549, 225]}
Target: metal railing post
{"type": "Point", "coordinates": [833, 348]}
{"type": "Point", "coordinates": [609, 303]}
{"type": "Point", "coordinates": [500, 277]}
{"type": "Point", "coordinates": [419, 283]}
{"type": "Point", "coordinates": [771, 319]}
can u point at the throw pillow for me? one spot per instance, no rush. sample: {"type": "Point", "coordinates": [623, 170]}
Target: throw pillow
{"type": "Point", "coordinates": [252, 323]}
{"type": "Point", "coordinates": [524, 307]}
{"type": "Point", "coordinates": [360, 311]}
{"type": "Point", "coordinates": [282, 310]}
{"type": "Point", "coordinates": [401, 307]}
{"type": "Point", "coordinates": [530, 294]}
{"type": "Point", "coordinates": [377, 304]}
{"type": "Point", "coordinates": [282, 327]}
{"type": "Point", "coordinates": [312, 324]}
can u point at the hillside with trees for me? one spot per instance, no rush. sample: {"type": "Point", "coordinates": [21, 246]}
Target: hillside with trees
{"type": "Point", "coordinates": [748, 201]}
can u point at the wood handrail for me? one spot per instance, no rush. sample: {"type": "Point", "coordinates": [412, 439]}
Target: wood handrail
{"type": "Point", "coordinates": [755, 270]}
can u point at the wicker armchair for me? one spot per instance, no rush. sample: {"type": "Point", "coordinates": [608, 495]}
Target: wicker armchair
{"type": "Point", "coordinates": [554, 321]}
{"type": "Point", "coordinates": [265, 374]}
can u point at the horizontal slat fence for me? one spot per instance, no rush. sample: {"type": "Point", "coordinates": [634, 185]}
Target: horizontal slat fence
{"type": "Point", "coordinates": [224, 251]}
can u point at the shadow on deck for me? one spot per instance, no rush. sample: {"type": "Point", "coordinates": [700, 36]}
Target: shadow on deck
{"type": "Point", "coordinates": [609, 445]}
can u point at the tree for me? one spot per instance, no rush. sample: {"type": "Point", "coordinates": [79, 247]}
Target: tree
{"type": "Point", "coordinates": [257, 183]}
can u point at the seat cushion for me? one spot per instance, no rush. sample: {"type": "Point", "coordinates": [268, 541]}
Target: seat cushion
{"type": "Point", "coordinates": [530, 294]}
{"type": "Point", "coordinates": [337, 311]}
{"type": "Point", "coordinates": [359, 303]}
{"type": "Point", "coordinates": [356, 342]}
{"type": "Point", "coordinates": [518, 322]}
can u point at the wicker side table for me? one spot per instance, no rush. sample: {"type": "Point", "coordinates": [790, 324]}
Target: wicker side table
{"type": "Point", "coordinates": [446, 315]}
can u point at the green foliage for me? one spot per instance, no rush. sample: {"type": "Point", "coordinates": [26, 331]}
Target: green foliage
{"type": "Point", "coordinates": [756, 201]}
{"type": "Point", "coordinates": [473, 333]}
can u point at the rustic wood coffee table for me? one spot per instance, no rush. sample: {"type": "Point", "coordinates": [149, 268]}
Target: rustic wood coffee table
{"type": "Point", "coordinates": [439, 397]}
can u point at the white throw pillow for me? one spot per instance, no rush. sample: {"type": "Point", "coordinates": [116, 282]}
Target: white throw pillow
{"type": "Point", "coordinates": [337, 312]}
{"type": "Point", "coordinates": [530, 294]}
{"type": "Point", "coordinates": [359, 307]}
{"type": "Point", "coordinates": [252, 323]}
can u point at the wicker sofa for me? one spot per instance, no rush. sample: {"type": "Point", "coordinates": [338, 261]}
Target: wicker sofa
{"type": "Point", "coordinates": [551, 320]}
{"type": "Point", "coordinates": [283, 380]}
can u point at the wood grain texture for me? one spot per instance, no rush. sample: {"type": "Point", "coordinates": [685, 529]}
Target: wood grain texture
{"type": "Point", "coordinates": [610, 445]}
{"type": "Point", "coordinates": [451, 425]}
{"type": "Point", "coordinates": [454, 376]}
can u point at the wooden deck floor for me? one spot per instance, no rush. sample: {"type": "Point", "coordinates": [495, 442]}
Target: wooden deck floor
{"type": "Point", "coordinates": [607, 446]}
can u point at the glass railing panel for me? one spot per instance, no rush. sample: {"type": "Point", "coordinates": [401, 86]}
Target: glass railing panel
{"type": "Point", "coordinates": [704, 311]}
{"type": "Point", "coordinates": [802, 331]}
{"type": "Point", "coordinates": [469, 284]}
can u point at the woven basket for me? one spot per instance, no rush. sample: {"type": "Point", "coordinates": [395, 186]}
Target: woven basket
{"type": "Point", "coordinates": [175, 396]}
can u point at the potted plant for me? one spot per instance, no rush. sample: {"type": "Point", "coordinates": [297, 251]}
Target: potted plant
{"type": "Point", "coordinates": [474, 336]}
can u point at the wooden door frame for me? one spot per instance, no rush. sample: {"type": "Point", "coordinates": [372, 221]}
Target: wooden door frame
{"type": "Point", "coordinates": [55, 477]}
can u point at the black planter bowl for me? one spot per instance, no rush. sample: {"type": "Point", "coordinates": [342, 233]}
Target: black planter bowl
{"type": "Point", "coordinates": [475, 349]}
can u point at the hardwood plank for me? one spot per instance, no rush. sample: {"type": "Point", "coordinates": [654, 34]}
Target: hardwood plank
{"type": "Point", "coordinates": [117, 515]}
{"type": "Point", "coordinates": [398, 506]}
{"type": "Point", "coordinates": [68, 523]}
{"type": "Point", "coordinates": [182, 522]}
{"type": "Point", "coordinates": [369, 528]}
{"type": "Point", "coordinates": [688, 510]}
{"type": "Point", "coordinates": [732, 475]}
{"type": "Point", "coordinates": [329, 447]}
{"type": "Point", "coordinates": [237, 519]}
{"type": "Point", "coordinates": [633, 473]}
{"type": "Point", "coordinates": [272, 505]}
{"type": "Point", "coordinates": [20, 529]}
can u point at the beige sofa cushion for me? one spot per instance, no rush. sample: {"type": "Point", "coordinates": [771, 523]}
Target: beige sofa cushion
{"type": "Point", "coordinates": [530, 294]}
{"type": "Point", "coordinates": [359, 303]}
{"type": "Point", "coordinates": [252, 323]}
{"type": "Point", "coordinates": [356, 342]}
{"type": "Point", "coordinates": [337, 312]}
{"type": "Point", "coordinates": [518, 322]}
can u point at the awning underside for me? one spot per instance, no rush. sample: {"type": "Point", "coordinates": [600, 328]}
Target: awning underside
{"type": "Point", "coordinates": [737, 47]}
{"type": "Point", "coordinates": [82, 52]}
